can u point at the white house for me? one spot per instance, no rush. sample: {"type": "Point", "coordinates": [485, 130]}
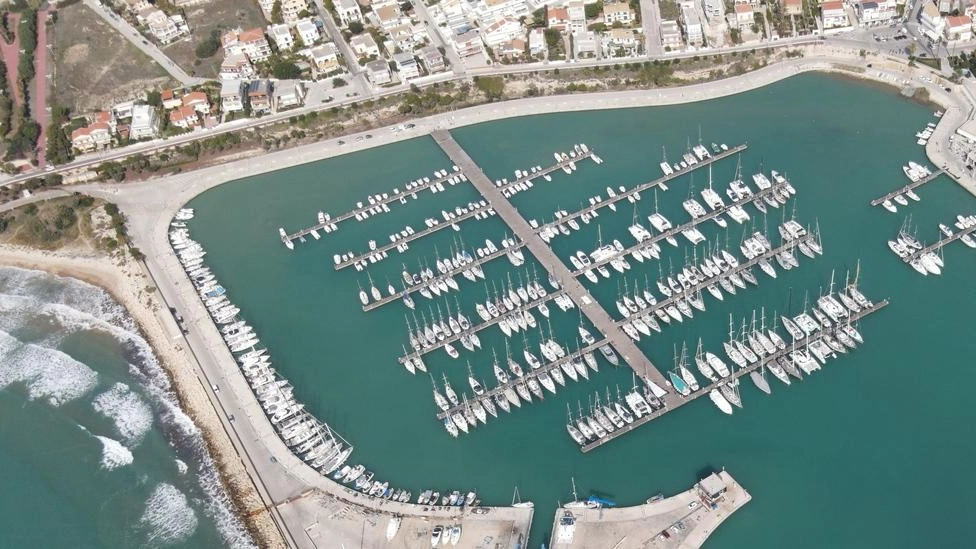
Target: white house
{"type": "Point", "coordinates": [617, 12]}
{"type": "Point", "coordinates": [873, 12]}
{"type": "Point", "coordinates": [236, 66]}
{"type": "Point", "coordinates": [714, 9]}
{"type": "Point", "coordinates": [433, 59]}
{"type": "Point", "coordinates": [251, 42]}
{"type": "Point", "coordinates": [145, 123]}
{"type": "Point", "coordinates": [958, 28]}
{"type": "Point", "coordinates": [308, 32]}
{"type": "Point", "coordinates": [932, 22]}
{"type": "Point", "coordinates": [744, 17]}
{"type": "Point", "coordinates": [489, 10]}
{"type": "Point", "coordinates": [364, 45]}
{"type": "Point", "coordinates": [670, 34]}
{"type": "Point", "coordinates": [232, 95]}
{"type": "Point", "coordinates": [163, 27]}
{"type": "Point", "coordinates": [584, 43]}
{"type": "Point", "coordinates": [537, 42]}
{"type": "Point", "coordinates": [325, 57]}
{"type": "Point", "coordinates": [620, 39]}
{"type": "Point", "coordinates": [288, 94]}
{"type": "Point", "coordinates": [407, 66]}
{"type": "Point", "coordinates": [349, 11]}
{"type": "Point", "coordinates": [379, 72]}
{"type": "Point", "coordinates": [467, 43]}
{"type": "Point", "coordinates": [577, 16]}
{"type": "Point", "coordinates": [501, 30]}
{"type": "Point", "coordinates": [282, 37]}
{"type": "Point", "coordinates": [834, 15]}
{"type": "Point", "coordinates": [290, 9]}
{"type": "Point", "coordinates": [693, 27]}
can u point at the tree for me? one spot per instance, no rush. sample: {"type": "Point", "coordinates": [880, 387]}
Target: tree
{"type": "Point", "coordinates": [338, 82]}
{"type": "Point", "coordinates": [284, 70]}
{"type": "Point", "coordinates": [154, 98]}
{"type": "Point", "coordinates": [492, 86]}
{"type": "Point", "coordinates": [594, 9]}
{"type": "Point", "coordinates": [209, 46]}
{"type": "Point", "coordinates": [276, 13]}
{"type": "Point", "coordinates": [553, 38]}
{"type": "Point", "coordinates": [355, 27]}
{"type": "Point", "coordinates": [58, 150]}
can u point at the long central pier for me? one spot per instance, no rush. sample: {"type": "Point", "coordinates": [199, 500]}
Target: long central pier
{"type": "Point", "coordinates": [938, 244]}
{"type": "Point", "coordinates": [644, 186]}
{"type": "Point", "coordinates": [631, 354]}
{"type": "Point", "coordinates": [911, 186]}
{"type": "Point", "coordinates": [679, 401]}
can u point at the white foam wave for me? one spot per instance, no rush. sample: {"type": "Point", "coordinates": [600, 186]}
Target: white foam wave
{"type": "Point", "coordinates": [131, 414]}
{"type": "Point", "coordinates": [181, 466]}
{"type": "Point", "coordinates": [114, 454]}
{"type": "Point", "coordinates": [168, 518]}
{"type": "Point", "coordinates": [47, 373]}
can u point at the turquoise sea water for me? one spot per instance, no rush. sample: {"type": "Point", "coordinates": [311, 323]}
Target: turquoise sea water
{"type": "Point", "coordinates": [94, 449]}
{"type": "Point", "coordinates": [867, 452]}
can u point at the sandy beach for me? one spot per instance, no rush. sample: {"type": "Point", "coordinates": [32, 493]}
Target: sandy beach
{"type": "Point", "coordinates": [132, 288]}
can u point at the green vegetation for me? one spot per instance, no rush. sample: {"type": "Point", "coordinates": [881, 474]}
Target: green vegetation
{"type": "Point", "coordinates": [276, 17]}
{"type": "Point", "coordinates": [209, 46]}
{"type": "Point", "coordinates": [964, 61]}
{"type": "Point", "coordinates": [338, 82]}
{"type": "Point", "coordinates": [492, 86]}
{"type": "Point", "coordinates": [284, 69]}
{"type": "Point", "coordinates": [58, 150]}
{"type": "Point", "coordinates": [669, 10]}
{"type": "Point", "coordinates": [356, 27]}
{"type": "Point", "coordinates": [6, 102]}
{"type": "Point", "coordinates": [594, 9]}
{"type": "Point", "coordinates": [49, 224]}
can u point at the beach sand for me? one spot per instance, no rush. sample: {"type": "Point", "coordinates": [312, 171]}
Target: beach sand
{"type": "Point", "coordinates": [127, 281]}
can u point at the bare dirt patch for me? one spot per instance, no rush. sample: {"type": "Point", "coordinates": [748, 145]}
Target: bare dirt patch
{"type": "Point", "coordinates": [96, 66]}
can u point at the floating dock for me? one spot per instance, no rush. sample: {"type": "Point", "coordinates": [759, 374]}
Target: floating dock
{"type": "Point", "coordinates": [529, 374]}
{"type": "Point", "coordinates": [589, 306]}
{"type": "Point", "coordinates": [452, 273]}
{"type": "Point", "coordinates": [406, 193]}
{"type": "Point", "coordinates": [678, 296]}
{"type": "Point", "coordinates": [580, 155]}
{"type": "Point", "coordinates": [937, 245]}
{"type": "Point", "coordinates": [644, 186]}
{"type": "Point", "coordinates": [676, 401]}
{"type": "Point", "coordinates": [682, 521]}
{"type": "Point", "coordinates": [379, 252]}
{"type": "Point", "coordinates": [910, 187]}
{"type": "Point", "coordinates": [676, 231]}
{"type": "Point", "coordinates": [479, 327]}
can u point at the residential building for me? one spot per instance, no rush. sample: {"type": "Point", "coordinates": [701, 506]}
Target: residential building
{"type": "Point", "coordinates": [97, 134]}
{"type": "Point", "coordinates": [308, 32]}
{"type": "Point", "coordinates": [433, 59]}
{"type": "Point", "coordinates": [502, 30]}
{"type": "Point", "coordinates": [132, 6]}
{"type": "Point", "coordinates": [834, 15]}
{"type": "Point", "coordinates": [198, 101]}
{"type": "Point", "coordinates": [744, 17]}
{"type": "Point", "coordinates": [402, 37]}
{"type": "Point", "coordinates": [145, 123]}
{"type": "Point", "coordinates": [933, 25]}
{"type": "Point", "coordinates": [348, 11]}
{"type": "Point", "coordinates": [873, 12]}
{"type": "Point", "coordinates": [232, 95]}
{"type": "Point", "coordinates": [165, 28]}
{"type": "Point", "coordinates": [379, 72]}
{"type": "Point", "coordinates": [388, 16]}
{"type": "Point", "coordinates": [958, 28]}
{"type": "Point", "coordinates": [467, 43]}
{"type": "Point", "coordinates": [693, 26]}
{"type": "Point", "coordinates": [714, 9]}
{"type": "Point", "coordinates": [792, 7]}
{"type": "Point", "coordinates": [620, 39]}
{"type": "Point", "coordinates": [282, 37]}
{"type": "Point", "coordinates": [557, 18]}
{"type": "Point", "coordinates": [123, 110]}
{"type": "Point", "coordinates": [670, 34]}
{"type": "Point", "coordinates": [291, 10]}
{"type": "Point", "coordinates": [185, 117]}
{"type": "Point", "coordinates": [617, 12]}
{"type": "Point", "coordinates": [407, 66]}
{"type": "Point", "coordinates": [513, 48]}
{"type": "Point", "coordinates": [251, 42]}
{"type": "Point", "coordinates": [288, 94]}
{"type": "Point", "coordinates": [259, 95]}
{"type": "Point", "coordinates": [584, 44]}
{"type": "Point", "coordinates": [489, 10]}
{"type": "Point", "coordinates": [169, 99]}
{"type": "Point", "coordinates": [364, 45]}
{"type": "Point", "coordinates": [236, 66]}
{"type": "Point", "coordinates": [325, 57]}
{"type": "Point", "coordinates": [577, 16]}
{"type": "Point", "coordinates": [537, 42]}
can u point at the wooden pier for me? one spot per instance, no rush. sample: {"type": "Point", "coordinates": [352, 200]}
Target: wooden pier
{"type": "Point", "coordinates": [479, 327]}
{"type": "Point", "coordinates": [678, 296]}
{"type": "Point", "coordinates": [474, 210]}
{"type": "Point", "coordinates": [676, 231]}
{"type": "Point", "coordinates": [937, 245]}
{"type": "Point", "coordinates": [910, 187]}
{"type": "Point", "coordinates": [580, 155]}
{"type": "Point", "coordinates": [529, 374]}
{"type": "Point", "coordinates": [589, 306]}
{"type": "Point", "coordinates": [406, 193]}
{"type": "Point", "coordinates": [644, 186]}
{"type": "Point", "coordinates": [677, 400]}
{"type": "Point", "coordinates": [452, 273]}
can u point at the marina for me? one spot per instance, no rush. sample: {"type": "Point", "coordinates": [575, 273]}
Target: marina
{"type": "Point", "coordinates": [764, 362]}
{"type": "Point", "coordinates": [566, 162]}
{"type": "Point", "coordinates": [907, 190]}
{"type": "Point", "coordinates": [927, 259]}
{"type": "Point", "coordinates": [630, 193]}
{"type": "Point", "coordinates": [631, 355]}
{"type": "Point", "coordinates": [401, 241]}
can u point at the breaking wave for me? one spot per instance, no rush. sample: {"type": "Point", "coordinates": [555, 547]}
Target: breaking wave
{"type": "Point", "coordinates": [114, 454]}
{"type": "Point", "coordinates": [168, 518]}
{"type": "Point", "coordinates": [47, 373]}
{"type": "Point", "coordinates": [78, 306]}
{"type": "Point", "coordinates": [132, 416]}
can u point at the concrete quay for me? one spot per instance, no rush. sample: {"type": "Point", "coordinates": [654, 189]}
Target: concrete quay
{"type": "Point", "coordinates": [589, 306]}
{"type": "Point", "coordinates": [682, 521]}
